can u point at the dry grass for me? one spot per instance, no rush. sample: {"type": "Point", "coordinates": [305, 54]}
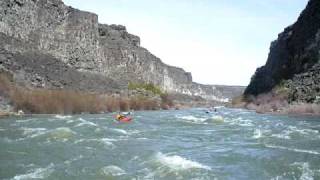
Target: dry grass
{"type": "Point", "coordinates": [275, 102]}
{"type": "Point", "coordinates": [44, 101]}
{"type": "Point", "coordinates": [143, 103]}
{"type": "Point", "coordinates": [239, 102]}
{"type": "Point", "coordinates": [5, 85]}
{"type": "Point", "coordinates": [303, 108]}
{"type": "Point", "coordinates": [71, 102]}
{"type": "Point", "coordinates": [55, 101]}
{"type": "Point", "coordinates": [166, 101]}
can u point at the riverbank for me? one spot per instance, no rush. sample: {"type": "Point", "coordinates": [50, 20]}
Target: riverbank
{"type": "Point", "coordinates": [275, 104]}
{"type": "Point", "coordinates": [14, 98]}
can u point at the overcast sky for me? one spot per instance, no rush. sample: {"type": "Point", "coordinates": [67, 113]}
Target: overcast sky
{"type": "Point", "coordinates": [218, 41]}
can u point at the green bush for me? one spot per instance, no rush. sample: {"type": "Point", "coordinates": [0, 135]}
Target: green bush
{"type": "Point", "coordinates": [145, 86]}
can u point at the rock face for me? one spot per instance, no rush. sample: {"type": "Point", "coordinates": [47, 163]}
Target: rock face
{"type": "Point", "coordinates": [294, 59]}
{"type": "Point", "coordinates": [305, 87]}
{"type": "Point", "coordinates": [48, 44]}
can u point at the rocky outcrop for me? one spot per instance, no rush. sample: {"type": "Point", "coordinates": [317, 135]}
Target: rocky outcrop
{"type": "Point", "coordinates": [305, 87]}
{"type": "Point", "coordinates": [293, 60]}
{"type": "Point", "coordinates": [48, 44]}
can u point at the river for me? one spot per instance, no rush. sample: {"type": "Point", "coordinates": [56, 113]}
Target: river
{"type": "Point", "coordinates": [181, 144]}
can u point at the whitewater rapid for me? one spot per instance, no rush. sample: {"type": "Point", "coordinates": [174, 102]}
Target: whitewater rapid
{"type": "Point", "coordinates": [182, 144]}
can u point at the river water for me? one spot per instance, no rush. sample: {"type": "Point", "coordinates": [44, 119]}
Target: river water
{"type": "Point", "coordinates": [183, 144]}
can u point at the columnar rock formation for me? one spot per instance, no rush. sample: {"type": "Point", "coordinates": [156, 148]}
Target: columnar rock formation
{"type": "Point", "coordinates": [51, 45]}
{"type": "Point", "coordinates": [294, 60]}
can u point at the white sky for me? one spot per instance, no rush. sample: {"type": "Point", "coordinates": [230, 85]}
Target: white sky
{"type": "Point", "coordinates": [218, 41]}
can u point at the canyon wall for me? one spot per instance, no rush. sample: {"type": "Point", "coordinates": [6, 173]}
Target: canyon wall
{"type": "Point", "coordinates": [294, 60]}
{"type": "Point", "coordinates": [47, 44]}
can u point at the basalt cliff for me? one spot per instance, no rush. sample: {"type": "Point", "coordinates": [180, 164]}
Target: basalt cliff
{"type": "Point", "coordinates": [46, 44]}
{"type": "Point", "coordinates": [293, 65]}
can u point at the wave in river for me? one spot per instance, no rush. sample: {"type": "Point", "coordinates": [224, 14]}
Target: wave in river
{"type": "Point", "coordinates": [33, 132]}
{"type": "Point", "coordinates": [61, 133]}
{"type": "Point", "coordinates": [192, 119]}
{"type": "Point", "coordinates": [241, 122]}
{"type": "Point", "coordinates": [178, 163]}
{"type": "Point", "coordinates": [38, 173]}
{"type": "Point", "coordinates": [293, 149]}
{"type": "Point", "coordinates": [105, 141]}
{"type": "Point", "coordinates": [306, 173]}
{"type": "Point", "coordinates": [84, 122]}
{"type": "Point", "coordinates": [121, 131]}
{"type": "Point", "coordinates": [112, 171]}
{"type": "Point", "coordinates": [58, 116]}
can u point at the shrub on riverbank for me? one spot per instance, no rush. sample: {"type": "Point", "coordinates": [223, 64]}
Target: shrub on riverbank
{"type": "Point", "coordinates": [166, 99]}
{"type": "Point", "coordinates": [145, 86]}
{"type": "Point", "coordinates": [44, 101]}
{"type": "Point", "coordinates": [275, 102]}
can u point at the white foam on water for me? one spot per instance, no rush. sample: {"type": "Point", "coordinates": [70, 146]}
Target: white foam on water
{"type": "Point", "coordinates": [219, 107]}
{"type": "Point", "coordinates": [257, 134]}
{"type": "Point", "coordinates": [192, 119]}
{"type": "Point", "coordinates": [279, 124]}
{"type": "Point", "coordinates": [148, 174]}
{"type": "Point", "coordinates": [303, 167]}
{"type": "Point", "coordinates": [244, 112]}
{"type": "Point", "coordinates": [61, 133]}
{"type": "Point", "coordinates": [97, 130]}
{"type": "Point", "coordinates": [179, 163]}
{"type": "Point", "coordinates": [25, 120]}
{"type": "Point", "coordinates": [28, 131]}
{"type": "Point", "coordinates": [58, 116]}
{"type": "Point", "coordinates": [105, 141]}
{"type": "Point", "coordinates": [241, 122]}
{"type": "Point", "coordinates": [217, 119]}
{"type": "Point", "coordinates": [293, 149]}
{"type": "Point", "coordinates": [73, 159]}
{"type": "Point", "coordinates": [286, 134]}
{"type": "Point", "coordinates": [112, 171]}
{"type": "Point", "coordinates": [33, 132]}
{"type": "Point", "coordinates": [303, 131]}
{"type": "Point", "coordinates": [245, 123]}
{"type": "Point", "coordinates": [70, 121]}
{"type": "Point", "coordinates": [17, 152]}
{"type": "Point", "coordinates": [307, 173]}
{"type": "Point", "coordinates": [282, 136]}
{"type": "Point", "coordinates": [85, 122]}
{"type": "Point", "coordinates": [131, 132]}
{"type": "Point", "coordinates": [226, 113]}
{"type": "Point", "coordinates": [121, 131]}
{"type": "Point", "coordinates": [110, 139]}
{"type": "Point", "coordinates": [142, 138]}
{"type": "Point", "coordinates": [108, 142]}
{"type": "Point", "coordinates": [38, 173]}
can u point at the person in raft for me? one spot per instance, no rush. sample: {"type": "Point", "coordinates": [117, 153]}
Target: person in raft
{"type": "Point", "coordinates": [119, 117]}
